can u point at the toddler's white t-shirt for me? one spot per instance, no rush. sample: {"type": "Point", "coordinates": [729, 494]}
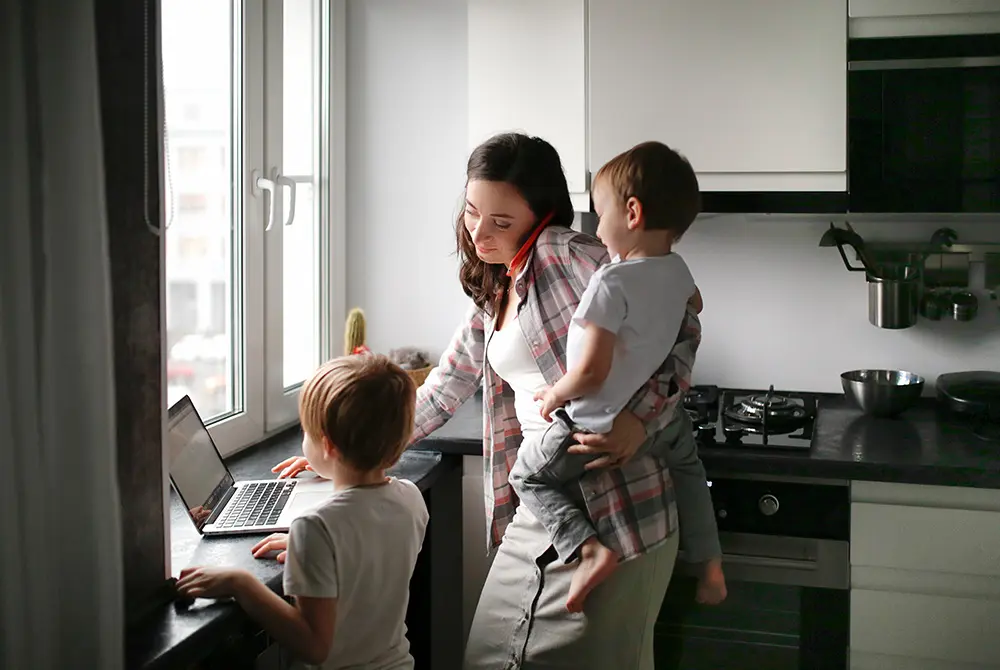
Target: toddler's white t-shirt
{"type": "Point", "coordinates": [643, 301]}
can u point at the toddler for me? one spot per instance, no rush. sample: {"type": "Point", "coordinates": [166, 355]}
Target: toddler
{"type": "Point", "coordinates": [627, 322]}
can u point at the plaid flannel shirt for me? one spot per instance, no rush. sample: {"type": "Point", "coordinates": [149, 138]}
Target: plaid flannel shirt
{"type": "Point", "coordinates": [632, 507]}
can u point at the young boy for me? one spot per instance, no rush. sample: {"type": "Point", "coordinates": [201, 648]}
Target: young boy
{"type": "Point", "coordinates": [627, 322]}
{"type": "Point", "coordinates": [350, 560]}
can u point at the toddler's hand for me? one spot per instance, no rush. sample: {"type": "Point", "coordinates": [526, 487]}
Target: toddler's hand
{"type": "Point", "coordinates": [275, 542]}
{"type": "Point", "coordinates": [209, 582]}
{"type": "Point", "coordinates": [550, 402]}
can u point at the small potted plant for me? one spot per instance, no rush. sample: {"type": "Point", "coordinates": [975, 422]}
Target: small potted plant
{"type": "Point", "coordinates": [415, 361]}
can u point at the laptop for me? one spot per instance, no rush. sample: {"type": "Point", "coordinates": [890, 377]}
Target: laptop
{"type": "Point", "coordinates": [217, 503]}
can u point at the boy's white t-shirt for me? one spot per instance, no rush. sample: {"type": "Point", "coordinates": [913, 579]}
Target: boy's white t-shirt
{"type": "Point", "coordinates": [643, 302]}
{"type": "Point", "coordinates": [360, 547]}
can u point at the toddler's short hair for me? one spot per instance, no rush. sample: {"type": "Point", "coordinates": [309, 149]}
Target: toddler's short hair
{"type": "Point", "coordinates": [661, 179]}
{"type": "Point", "coordinates": [364, 404]}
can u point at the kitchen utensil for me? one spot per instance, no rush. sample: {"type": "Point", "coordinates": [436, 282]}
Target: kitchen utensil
{"type": "Point", "coordinates": [893, 298]}
{"type": "Point", "coordinates": [838, 237]}
{"type": "Point", "coordinates": [882, 393]}
{"type": "Point", "coordinates": [975, 393]}
{"type": "Point", "coordinates": [930, 306]}
{"type": "Point", "coordinates": [963, 306]}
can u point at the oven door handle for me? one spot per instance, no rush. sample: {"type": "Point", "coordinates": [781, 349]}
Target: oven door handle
{"type": "Point", "coordinates": [922, 63]}
{"type": "Point", "coordinates": [796, 561]}
{"type": "Point", "coordinates": [768, 562]}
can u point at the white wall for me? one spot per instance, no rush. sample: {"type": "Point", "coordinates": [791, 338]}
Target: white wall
{"type": "Point", "coordinates": [781, 310]}
{"type": "Point", "coordinates": [406, 154]}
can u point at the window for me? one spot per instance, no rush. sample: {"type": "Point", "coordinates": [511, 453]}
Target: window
{"type": "Point", "coordinates": [182, 306]}
{"type": "Point", "coordinates": [191, 159]}
{"type": "Point", "coordinates": [217, 308]}
{"type": "Point", "coordinates": [192, 248]}
{"type": "Point", "coordinates": [189, 204]}
{"type": "Point", "coordinates": [258, 230]}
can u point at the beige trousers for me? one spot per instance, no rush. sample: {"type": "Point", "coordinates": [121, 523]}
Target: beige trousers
{"type": "Point", "coordinates": [522, 622]}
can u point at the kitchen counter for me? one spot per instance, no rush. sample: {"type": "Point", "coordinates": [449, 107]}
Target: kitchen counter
{"type": "Point", "coordinates": [178, 635]}
{"type": "Point", "coordinates": [918, 447]}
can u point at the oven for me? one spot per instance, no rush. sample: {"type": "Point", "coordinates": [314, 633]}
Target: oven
{"type": "Point", "coordinates": [787, 563]}
{"type": "Point", "coordinates": [924, 124]}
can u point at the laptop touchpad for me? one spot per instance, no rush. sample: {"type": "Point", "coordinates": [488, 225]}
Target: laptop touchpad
{"type": "Point", "coordinates": [306, 500]}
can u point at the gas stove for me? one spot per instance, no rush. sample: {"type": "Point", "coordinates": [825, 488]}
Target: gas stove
{"type": "Point", "coordinates": [752, 419]}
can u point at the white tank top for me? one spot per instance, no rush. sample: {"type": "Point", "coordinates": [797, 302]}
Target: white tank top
{"type": "Point", "coordinates": [511, 358]}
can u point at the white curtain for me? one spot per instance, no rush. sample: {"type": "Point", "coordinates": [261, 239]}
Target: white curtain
{"type": "Point", "coordinates": [60, 559]}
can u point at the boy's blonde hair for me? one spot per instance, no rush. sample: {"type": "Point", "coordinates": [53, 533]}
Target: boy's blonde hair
{"type": "Point", "coordinates": [659, 178]}
{"type": "Point", "coordinates": [364, 405]}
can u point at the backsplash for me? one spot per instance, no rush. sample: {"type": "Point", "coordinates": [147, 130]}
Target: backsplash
{"type": "Point", "coordinates": [781, 310]}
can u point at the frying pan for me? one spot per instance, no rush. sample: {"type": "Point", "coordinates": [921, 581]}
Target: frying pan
{"type": "Point", "coordinates": [974, 393]}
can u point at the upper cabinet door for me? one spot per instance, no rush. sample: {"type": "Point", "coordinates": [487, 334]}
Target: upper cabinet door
{"type": "Point", "coordinates": [527, 73]}
{"type": "Point", "coordinates": [753, 93]}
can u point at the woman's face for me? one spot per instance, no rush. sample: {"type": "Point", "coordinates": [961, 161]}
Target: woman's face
{"type": "Point", "coordinates": [497, 218]}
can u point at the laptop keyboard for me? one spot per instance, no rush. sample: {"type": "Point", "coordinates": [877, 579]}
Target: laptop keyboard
{"type": "Point", "coordinates": [258, 504]}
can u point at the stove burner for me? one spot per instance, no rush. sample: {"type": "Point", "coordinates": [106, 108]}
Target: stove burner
{"type": "Point", "coordinates": [767, 406]}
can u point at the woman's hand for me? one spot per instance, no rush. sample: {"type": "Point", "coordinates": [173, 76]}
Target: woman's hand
{"type": "Point", "coordinates": [275, 542]}
{"type": "Point", "coordinates": [697, 301]}
{"type": "Point", "coordinates": [613, 448]}
{"type": "Point", "coordinates": [210, 582]}
{"type": "Point", "coordinates": [292, 466]}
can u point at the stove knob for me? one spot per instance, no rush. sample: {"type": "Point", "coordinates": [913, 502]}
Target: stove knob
{"type": "Point", "coordinates": [723, 514]}
{"type": "Point", "coordinates": [768, 505]}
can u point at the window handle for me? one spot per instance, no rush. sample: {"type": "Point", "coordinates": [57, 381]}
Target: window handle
{"type": "Point", "coordinates": [262, 184]}
{"type": "Point", "coordinates": [282, 180]}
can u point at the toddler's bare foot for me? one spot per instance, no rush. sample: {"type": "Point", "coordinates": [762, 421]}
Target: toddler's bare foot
{"type": "Point", "coordinates": [712, 585]}
{"type": "Point", "coordinates": [597, 562]}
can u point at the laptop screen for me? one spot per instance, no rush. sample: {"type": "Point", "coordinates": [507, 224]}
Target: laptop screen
{"type": "Point", "coordinates": [196, 468]}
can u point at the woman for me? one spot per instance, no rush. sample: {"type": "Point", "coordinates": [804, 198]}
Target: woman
{"type": "Point", "coordinates": [525, 270]}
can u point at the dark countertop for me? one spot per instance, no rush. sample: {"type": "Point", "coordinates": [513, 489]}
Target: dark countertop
{"type": "Point", "coordinates": [169, 632]}
{"type": "Point", "coordinates": [918, 447]}
{"type": "Point", "coordinates": [463, 434]}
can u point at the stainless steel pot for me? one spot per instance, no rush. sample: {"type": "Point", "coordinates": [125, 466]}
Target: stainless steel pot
{"type": "Point", "coordinates": [963, 306]}
{"type": "Point", "coordinates": [893, 298]}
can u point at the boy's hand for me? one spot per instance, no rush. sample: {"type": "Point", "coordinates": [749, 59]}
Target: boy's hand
{"type": "Point", "coordinates": [292, 466]}
{"type": "Point", "coordinates": [550, 402]}
{"type": "Point", "coordinates": [210, 582]}
{"type": "Point", "coordinates": [275, 542]}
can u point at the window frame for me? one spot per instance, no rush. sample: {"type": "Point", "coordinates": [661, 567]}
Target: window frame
{"type": "Point", "coordinates": [263, 406]}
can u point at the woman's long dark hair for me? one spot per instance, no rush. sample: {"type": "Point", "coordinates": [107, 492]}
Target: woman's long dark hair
{"type": "Point", "coordinates": [532, 166]}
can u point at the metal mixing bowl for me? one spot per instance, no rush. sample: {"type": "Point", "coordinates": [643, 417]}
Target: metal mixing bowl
{"type": "Point", "coordinates": [882, 392]}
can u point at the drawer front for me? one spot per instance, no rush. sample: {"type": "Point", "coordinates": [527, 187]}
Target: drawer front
{"type": "Point", "coordinates": [892, 8]}
{"type": "Point", "coordinates": [924, 538]}
{"type": "Point", "coordinates": [863, 661]}
{"type": "Point", "coordinates": [956, 630]}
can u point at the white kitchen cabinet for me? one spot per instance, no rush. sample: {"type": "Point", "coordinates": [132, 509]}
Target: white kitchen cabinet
{"type": "Point", "coordinates": [527, 73]}
{"type": "Point", "coordinates": [925, 577]}
{"type": "Point", "coordinates": [937, 628]}
{"type": "Point", "coordinates": [923, 538]}
{"type": "Point", "coordinates": [899, 18]}
{"type": "Point", "coordinates": [753, 93]}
